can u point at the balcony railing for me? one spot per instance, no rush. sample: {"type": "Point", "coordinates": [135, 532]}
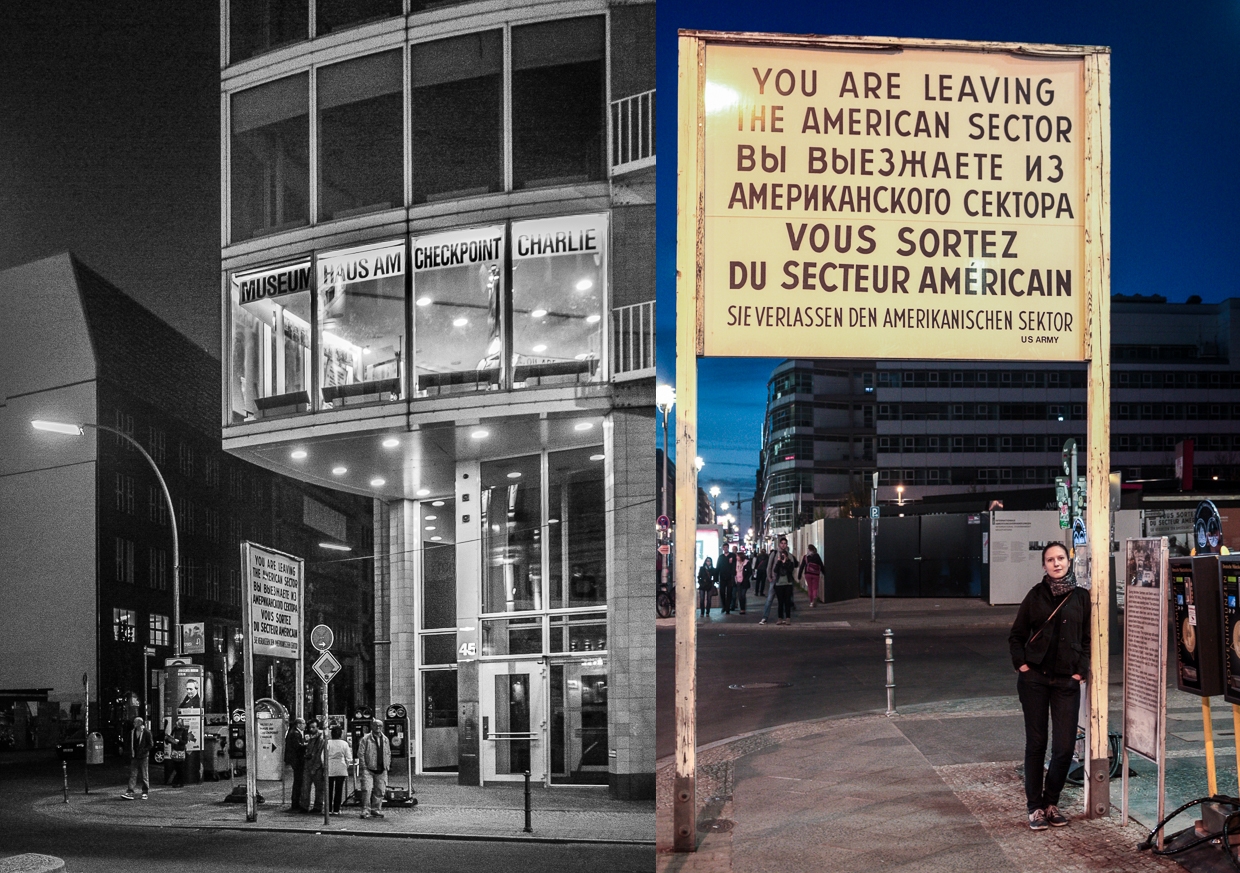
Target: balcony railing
{"type": "Point", "coordinates": [632, 133]}
{"type": "Point", "coordinates": [632, 341]}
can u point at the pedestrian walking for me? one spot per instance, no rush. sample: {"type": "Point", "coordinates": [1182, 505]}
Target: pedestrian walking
{"type": "Point", "coordinates": [779, 573]}
{"type": "Point", "coordinates": [744, 575]}
{"type": "Point", "coordinates": [137, 747]}
{"type": "Point", "coordinates": [179, 742]}
{"type": "Point", "coordinates": [295, 757]}
{"type": "Point", "coordinates": [375, 754]}
{"type": "Point", "coordinates": [727, 581]}
{"type": "Point", "coordinates": [811, 570]}
{"type": "Point", "coordinates": [339, 758]}
{"type": "Point", "coordinates": [706, 586]}
{"type": "Point", "coordinates": [314, 779]}
{"type": "Point", "coordinates": [1050, 649]}
{"type": "Point", "coordinates": [759, 572]}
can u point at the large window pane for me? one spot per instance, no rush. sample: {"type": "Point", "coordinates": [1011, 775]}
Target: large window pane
{"type": "Point", "coordinates": [559, 266]}
{"type": "Point", "coordinates": [362, 324]}
{"type": "Point", "coordinates": [577, 531]}
{"type": "Point", "coordinates": [256, 26]}
{"type": "Point", "coordinates": [511, 535]}
{"type": "Point", "coordinates": [333, 15]}
{"type": "Point", "coordinates": [438, 563]}
{"type": "Point", "coordinates": [558, 102]}
{"type": "Point", "coordinates": [270, 357]}
{"type": "Point", "coordinates": [457, 289]}
{"type": "Point", "coordinates": [361, 140]}
{"type": "Point", "coordinates": [512, 636]}
{"type": "Point", "coordinates": [270, 163]}
{"type": "Point", "coordinates": [458, 90]}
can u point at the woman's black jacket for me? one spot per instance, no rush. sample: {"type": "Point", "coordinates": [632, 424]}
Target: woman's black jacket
{"type": "Point", "coordinates": [1067, 636]}
{"type": "Point", "coordinates": [708, 578]}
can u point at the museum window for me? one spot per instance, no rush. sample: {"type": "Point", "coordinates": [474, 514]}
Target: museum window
{"type": "Point", "coordinates": [257, 26]}
{"type": "Point", "coordinates": [124, 550]}
{"type": "Point", "coordinates": [333, 15]}
{"type": "Point", "coordinates": [361, 316]}
{"type": "Point", "coordinates": [157, 628]}
{"type": "Point", "coordinates": [558, 102]}
{"type": "Point", "coordinates": [438, 524]}
{"type": "Point", "coordinates": [124, 493]}
{"type": "Point", "coordinates": [124, 625]}
{"type": "Point", "coordinates": [156, 506]}
{"type": "Point", "coordinates": [457, 110]}
{"type": "Point", "coordinates": [511, 535]}
{"type": "Point", "coordinates": [458, 312]}
{"type": "Point", "coordinates": [558, 299]}
{"type": "Point", "coordinates": [269, 158]}
{"type": "Point", "coordinates": [576, 528]}
{"type": "Point", "coordinates": [360, 136]}
{"type": "Point", "coordinates": [270, 357]}
{"type": "Point", "coordinates": [157, 569]}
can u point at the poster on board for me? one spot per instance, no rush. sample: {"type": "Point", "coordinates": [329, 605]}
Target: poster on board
{"type": "Point", "coordinates": [1145, 635]}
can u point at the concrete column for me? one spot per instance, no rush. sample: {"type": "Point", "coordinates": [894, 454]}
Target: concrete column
{"type": "Point", "coordinates": [631, 480]}
{"type": "Point", "coordinates": [403, 560]}
{"type": "Point", "coordinates": [468, 594]}
{"type": "Point", "coordinates": [383, 580]}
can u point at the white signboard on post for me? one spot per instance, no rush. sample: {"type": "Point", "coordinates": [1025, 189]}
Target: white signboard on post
{"type": "Point", "coordinates": [1145, 657]}
{"type": "Point", "coordinates": [274, 594]}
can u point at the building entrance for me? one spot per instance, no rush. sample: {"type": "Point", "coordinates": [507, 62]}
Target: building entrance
{"type": "Point", "coordinates": [513, 707]}
{"type": "Point", "coordinates": [579, 722]}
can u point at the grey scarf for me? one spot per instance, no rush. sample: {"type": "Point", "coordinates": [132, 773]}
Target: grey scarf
{"type": "Point", "coordinates": [1062, 586]}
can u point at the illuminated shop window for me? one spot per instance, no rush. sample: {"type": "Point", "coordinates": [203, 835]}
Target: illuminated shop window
{"type": "Point", "coordinates": [361, 310]}
{"type": "Point", "coordinates": [458, 310]}
{"type": "Point", "coordinates": [333, 15]}
{"type": "Point", "coordinates": [457, 109]}
{"type": "Point", "coordinates": [558, 302]}
{"type": "Point", "coordinates": [558, 102]}
{"type": "Point", "coordinates": [124, 625]}
{"type": "Point", "coordinates": [586, 632]}
{"type": "Point", "coordinates": [256, 26]}
{"type": "Point", "coordinates": [360, 136]}
{"type": "Point", "coordinates": [269, 158]}
{"type": "Point", "coordinates": [269, 369]}
{"type": "Point", "coordinates": [511, 536]}
{"type": "Point", "coordinates": [576, 529]}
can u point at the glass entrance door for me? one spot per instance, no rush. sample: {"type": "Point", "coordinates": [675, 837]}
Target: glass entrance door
{"type": "Point", "coordinates": [514, 720]}
{"type": "Point", "coordinates": [579, 722]}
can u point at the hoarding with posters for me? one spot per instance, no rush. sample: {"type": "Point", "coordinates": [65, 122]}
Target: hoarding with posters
{"type": "Point", "coordinates": [865, 197]}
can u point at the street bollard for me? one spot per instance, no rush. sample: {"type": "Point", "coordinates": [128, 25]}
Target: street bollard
{"type": "Point", "coordinates": [891, 676]}
{"type": "Point", "coordinates": [529, 828]}
{"type": "Point", "coordinates": [64, 767]}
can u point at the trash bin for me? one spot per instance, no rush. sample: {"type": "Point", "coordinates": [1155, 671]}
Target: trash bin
{"type": "Point", "coordinates": [94, 748]}
{"type": "Point", "coordinates": [210, 757]}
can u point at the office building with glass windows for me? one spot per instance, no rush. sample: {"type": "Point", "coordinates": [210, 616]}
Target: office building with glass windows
{"type": "Point", "coordinates": [438, 292]}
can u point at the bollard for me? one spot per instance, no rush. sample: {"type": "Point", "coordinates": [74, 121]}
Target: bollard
{"type": "Point", "coordinates": [891, 676]}
{"type": "Point", "coordinates": [529, 829]}
{"type": "Point", "coordinates": [64, 767]}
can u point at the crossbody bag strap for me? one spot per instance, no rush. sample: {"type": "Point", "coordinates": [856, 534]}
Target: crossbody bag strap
{"type": "Point", "coordinates": [1049, 617]}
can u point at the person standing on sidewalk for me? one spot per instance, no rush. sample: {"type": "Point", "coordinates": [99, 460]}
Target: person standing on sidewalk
{"type": "Point", "coordinates": [314, 779]}
{"type": "Point", "coordinates": [811, 570]}
{"type": "Point", "coordinates": [780, 570]}
{"type": "Point", "coordinates": [706, 587]}
{"type": "Point", "coordinates": [1050, 649]}
{"type": "Point", "coordinates": [295, 757]}
{"type": "Point", "coordinates": [138, 745]}
{"type": "Point", "coordinates": [759, 572]}
{"type": "Point", "coordinates": [339, 757]}
{"type": "Point", "coordinates": [727, 581]}
{"type": "Point", "coordinates": [374, 753]}
{"type": "Point", "coordinates": [744, 574]}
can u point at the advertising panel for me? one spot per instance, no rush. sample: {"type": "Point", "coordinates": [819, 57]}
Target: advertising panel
{"type": "Point", "coordinates": [924, 202]}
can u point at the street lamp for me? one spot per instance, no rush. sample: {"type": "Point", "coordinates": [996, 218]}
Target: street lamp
{"type": "Point", "coordinates": [664, 399]}
{"type": "Point", "coordinates": [76, 430]}
{"type": "Point", "coordinates": [724, 506]}
{"type": "Point", "coordinates": [714, 497]}
{"type": "Point", "coordinates": [900, 495]}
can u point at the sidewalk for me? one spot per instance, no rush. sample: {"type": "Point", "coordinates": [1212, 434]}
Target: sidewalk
{"type": "Point", "coordinates": [936, 788]}
{"type": "Point", "coordinates": [445, 810]}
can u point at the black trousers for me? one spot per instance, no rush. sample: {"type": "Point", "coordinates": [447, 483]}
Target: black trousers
{"type": "Point", "coordinates": [705, 595]}
{"type": "Point", "coordinates": [1058, 697]}
{"type": "Point", "coordinates": [337, 789]}
{"type": "Point", "coordinates": [727, 590]}
{"type": "Point", "coordinates": [741, 592]}
{"type": "Point", "coordinates": [297, 777]}
{"type": "Point", "coordinates": [784, 593]}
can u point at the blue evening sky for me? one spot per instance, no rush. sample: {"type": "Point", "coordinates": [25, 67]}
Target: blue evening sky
{"type": "Point", "coordinates": [1175, 146]}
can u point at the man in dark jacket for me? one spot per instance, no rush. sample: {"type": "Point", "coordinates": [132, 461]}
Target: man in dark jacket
{"type": "Point", "coordinates": [137, 746]}
{"type": "Point", "coordinates": [295, 757]}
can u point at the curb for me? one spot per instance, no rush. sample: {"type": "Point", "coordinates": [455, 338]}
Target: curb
{"type": "Point", "coordinates": [415, 835]}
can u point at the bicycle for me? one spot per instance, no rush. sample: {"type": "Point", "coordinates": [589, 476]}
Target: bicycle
{"type": "Point", "coordinates": [1076, 773]}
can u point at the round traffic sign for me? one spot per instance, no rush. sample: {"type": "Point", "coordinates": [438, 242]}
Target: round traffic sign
{"type": "Point", "coordinates": [322, 637]}
{"type": "Point", "coordinates": [664, 522]}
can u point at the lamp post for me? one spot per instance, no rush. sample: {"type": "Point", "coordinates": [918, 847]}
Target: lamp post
{"type": "Point", "coordinates": [76, 430]}
{"type": "Point", "coordinates": [900, 495]}
{"type": "Point", "coordinates": [664, 399]}
{"type": "Point", "coordinates": [714, 499]}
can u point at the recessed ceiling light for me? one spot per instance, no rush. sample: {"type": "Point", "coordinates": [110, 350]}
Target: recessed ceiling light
{"type": "Point", "coordinates": [480, 434]}
{"type": "Point", "coordinates": [540, 348]}
{"type": "Point", "coordinates": [553, 521]}
{"type": "Point", "coordinates": [538, 313]}
{"type": "Point", "coordinates": [583, 425]}
{"type": "Point", "coordinates": [460, 322]}
{"type": "Point", "coordinates": [377, 482]}
{"type": "Point", "coordinates": [298, 455]}
{"type": "Point", "coordinates": [597, 457]}
{"type": "Point", "coordinates": [339, 471]}
{"type": "Point", "coordinates": [336, 547]}
{"type": "Point", "coordinates": [391, 443]}
{"type": "Point", "coordinates": [430, 518]}
{"type": "Point", "coordinates": [422, 492]}
{"type": "Point", "coordinates": [429, 527]}
{"type": "Point", "coordinates": [424, 301]}
{"type": "Point", "coordinates": [585, 285]}
{"type": "Point", "coordinates": [436, 538]}
{"type": "Point", "coordinates": [437, 503]}
{"type": "Point", "coordinates": [593, 319]}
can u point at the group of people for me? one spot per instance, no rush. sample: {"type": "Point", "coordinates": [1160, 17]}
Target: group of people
{"type": "Point", "coordinates": [303, 751]}
{"type": "Point", "coordinates": [773, 574]}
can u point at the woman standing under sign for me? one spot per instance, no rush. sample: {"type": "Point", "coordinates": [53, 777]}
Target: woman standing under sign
{"type": "Point", "coordinates": [1050, 647]}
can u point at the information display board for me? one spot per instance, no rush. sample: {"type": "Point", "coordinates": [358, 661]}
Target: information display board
{"type": "Point", "coordinates": [274, 590]}
{"type": "Point", "coordinates": [1145, 625]}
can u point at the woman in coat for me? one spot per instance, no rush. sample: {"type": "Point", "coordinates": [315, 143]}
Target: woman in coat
{"type": "Point", "coordinates": [1050, 649]}
{"type": "Point", "coordinates": [707, 579]}
{"type": "Point", "coordinates": [339, 757]}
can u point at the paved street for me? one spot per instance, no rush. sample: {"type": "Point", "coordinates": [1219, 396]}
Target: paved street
{"type": "Point", "coordinates": [93, 834]}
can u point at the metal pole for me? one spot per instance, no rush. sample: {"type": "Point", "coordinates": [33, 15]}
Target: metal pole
{"type": "Point", "coordinates": [529, 828]}
{"type": "Point", "coordinates": [86, 755]}
{"type": "Point", "coordinates": [64, 769]}
{"type": "Point", "coordinates": [666, 559]}
{"type": "Point", "coordinates": [873, 550]}
{"type": "Point", "coordinates": [251, 724]}
{"type": "Point", "coordinates": [891, 676]}
{"type": "Point", "coordinates": [325, 799]}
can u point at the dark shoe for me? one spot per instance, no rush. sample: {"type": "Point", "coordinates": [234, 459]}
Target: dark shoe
{"type": "Point", "coordinates": [1055, 818]}
{"type": "Point", "coordinates": [377, 814]}
{"type": "Point", "coordinates": [365, 814]}
{"type": "Point", "coordinates": [1037, 820]}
